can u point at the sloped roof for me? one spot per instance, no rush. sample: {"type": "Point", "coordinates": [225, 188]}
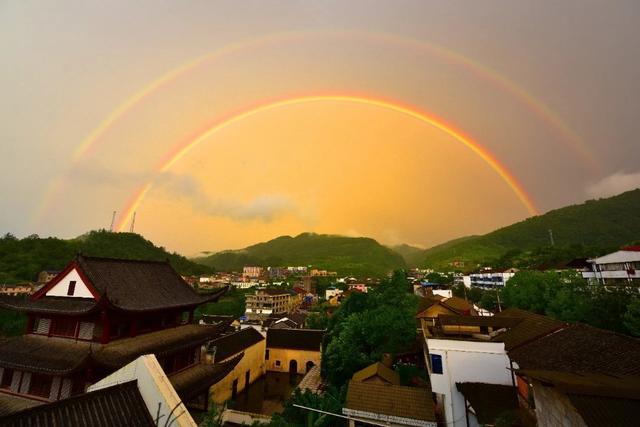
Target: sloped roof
{"type": "Point", "coordinates": [119, 405]}
{"type": "Point", "coordinates": [457, 304]}
{"type": "Point", "coordinates": [135, 285]}
{"type": "Point", "coordinates": [489, 400]}
{"type": "Point", "coordinates": [119, 353]}
{"type": "Point", "coordinates": [50, 305]}
{"type": "Point", "coordinates": [198, 378]}
{"type": "Point", "coordinates": [377, 369]}
{"type": "Point", "coordinates": [234, 343]}
{"type": "Point", "coordinates": [531, 327]}
{"type": "Point", "coordinates": [46, 355]}
{"type": "Point", "coordinates": [406, 403]}
{"type": "Point", "coordinates": [600, 399]}
{"type": "Point", "coordinates": [489, 321]}
{"type": "Point", "coordinates": [597, 411]}
{"type": "Point", "coordinates": [11, 403]}
{"type": "Point", "coordinates": [297, 339]}
{"type": "Point", "coordinates": [581, 348]}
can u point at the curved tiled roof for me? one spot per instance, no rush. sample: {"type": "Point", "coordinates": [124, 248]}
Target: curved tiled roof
{"type": "Point", "coordinates": [297, 339]}
{"type": "Point", "coordinates": [41, 354]}
{"type": "Point", "coordinates": [133, 285]}
{"type": "Point", "coordinates": [119, 405]}
{"type": "Point", "coordinates": [50, 305]}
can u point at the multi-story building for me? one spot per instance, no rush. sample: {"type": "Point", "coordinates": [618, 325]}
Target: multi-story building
{"type": "Point", "coordinates": [618, 268]}
{"type": "Point", "coordinates": [474, 350]}
{"type": "Point", "coordinates": [267, 302]}
{"type": "Point", "coordinates": [96, 316]}
{"type": "Point", "coordinates": [252, 272]}
{"type": "Point", "coordinates": [488, 278]}
{"type": "Point", "coordinates": [17, 289]}
{"type": "Point", "coordinates": [46, 276]}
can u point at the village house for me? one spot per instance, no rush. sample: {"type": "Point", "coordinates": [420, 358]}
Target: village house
{"type": "Point", "coordinates": [474, 349]}
{"type": "Point", "coordinates": [17, 289]}
{"type": "Point", "coordinates": [487, 278]}
{"type": "Point", "coordinates": [375, 396]}
{"type": "Point", "coordinates": [250, 346]}
{"type": "Point", "coordinates": [579, 376]}
{"type": "Point", "coordinates": [96, 316]}
{"type": "Point", "coordinates": [293, 350]}
{"type": "Point", "coordinates": [268, 302]}
{"type": "Point", "coordinates": [46, 276]}
{"type": "Point", "coordinates": [436, 305]}
{"type": "Point", "coordinates": [618, 268]}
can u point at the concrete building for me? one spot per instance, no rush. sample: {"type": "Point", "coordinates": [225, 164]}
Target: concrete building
{"type": "Point", "coordinates": [268, 302]}
{"type": "Point", "coordinates": [618, 268]}
{"type": "Point", "coordinates": [252, 272]}
{"type": "Point", "coordinates": [17, 289]}
{"type": "Point", "coordinates": [293, 350]}
{"type": "Point", "coordinates": [473, 349]}
{"type": "Point", "coordinates": [488, 278]}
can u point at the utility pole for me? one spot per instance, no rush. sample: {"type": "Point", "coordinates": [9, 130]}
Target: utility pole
{"type": "Point", "coordinates": [113, 219]}
{"type": "Point", "coordinates": [133, 222]}
{"type": "Point", "coordinates": [551, 237]}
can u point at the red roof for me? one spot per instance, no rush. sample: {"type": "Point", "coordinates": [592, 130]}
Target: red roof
{"type": "Point", "coordinates": [631, 248]}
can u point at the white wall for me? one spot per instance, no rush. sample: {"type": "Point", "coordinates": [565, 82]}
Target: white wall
{"type": "Point", "coordinates": [155, 388]}
{"type": "Point", "coordinates": [466, 361]}
{"type": "Point", "coordinates": [60, 289]}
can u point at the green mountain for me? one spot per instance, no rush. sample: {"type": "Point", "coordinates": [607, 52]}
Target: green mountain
{"type": "Point", "coordinates": [412, 255]}
{"type": "Point", "coordinates": [347, 255]}
{"type": "Point", "coordinates": [23, 259]}
{"type": "Point", "coordinates": [587, 229]}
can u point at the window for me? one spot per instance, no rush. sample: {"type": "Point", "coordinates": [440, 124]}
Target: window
{"type": "Point", "coordinates": [7, 376]}
{"type": "Point", "coordinates": [436, 364]}
{"type": "Point", "coordinates": [40, 385]}
{"type": "Point", "coordinates": [266, 354]}
{"type": "Point", "coordinates": [72, 288]}
{"type": "Point", "coordinates": [64, 328]}
{"type": "Point", "coordinates": [277, 363]}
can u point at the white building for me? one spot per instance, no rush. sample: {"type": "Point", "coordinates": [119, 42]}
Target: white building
{"type": "Point", "coordinates": [621, 267]}
{"type": "Point", "coordinates": [487, 278]}
{"type": "Point", "coordinates": [458, 361]}
{"type": "Point", "coordinates": [331, 292]}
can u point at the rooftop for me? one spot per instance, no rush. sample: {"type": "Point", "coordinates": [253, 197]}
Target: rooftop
{"type": "Point", "coordinates": [194, 380]}
{"type": "Point", "coordinates": [387, 402]}
{"type": "Point", "coordinates": [581, 349]}
{"type": "Point", "coordinates": [234, 343]}
{"type": "Point", "coordinates": [377, 369]}
{"type": "Point", "coordinates": [297, 339]}
{"type": "Point", "coordinates": [119, 405]}
{"type": "Point", "coordinates": [489, 400]}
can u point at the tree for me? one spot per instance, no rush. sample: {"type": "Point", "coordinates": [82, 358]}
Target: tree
{"type": "Point", "coordinates": [527, 290]}
{"type": "Point", "coordinates": [365, 327]}
{"type": "Point", "coordinates": [632, 317]}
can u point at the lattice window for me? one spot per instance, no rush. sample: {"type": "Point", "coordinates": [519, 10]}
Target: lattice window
{"type": "Point", "coordinates": [85, 331]}
{"type": "Point", "coordinates": [41, 326]}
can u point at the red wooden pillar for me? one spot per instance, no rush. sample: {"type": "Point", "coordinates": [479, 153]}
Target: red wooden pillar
{"type": "Point", "coordinates": [29, 327]}
{"type": "Point", "coordinates": [133, 330]}
{"type": "Point", "coordinates": [106, 327]}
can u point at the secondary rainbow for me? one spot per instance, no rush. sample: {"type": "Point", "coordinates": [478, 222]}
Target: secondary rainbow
{"type": "Point", "coordinates": [182, 149]}
{"type": "Point", "coordinates": [91, 141]}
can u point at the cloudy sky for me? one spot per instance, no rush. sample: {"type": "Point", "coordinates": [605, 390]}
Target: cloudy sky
{"type": "Point", "coordinates": [224, 123]}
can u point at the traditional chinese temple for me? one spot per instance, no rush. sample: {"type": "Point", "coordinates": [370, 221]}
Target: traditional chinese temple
{"type": "Point", "coordinates": [96, 316]}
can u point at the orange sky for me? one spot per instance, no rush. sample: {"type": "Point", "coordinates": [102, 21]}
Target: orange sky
{"type": "Point", "coordinates": [532, 90]}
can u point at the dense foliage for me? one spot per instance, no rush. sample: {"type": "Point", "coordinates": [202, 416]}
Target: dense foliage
{"type": "Point", "coordinates": [231, 304]}
{"type": "Point", "coordinates": [332, 400]}
{"type": "Point", "coordinates": [588, 229]}
{"type": "Point", "coordinates": [368, 325]}
{"type": "Point", "coordinates": [570, 298]}
{"type": "Point", "coordinates": [23, 259]}
{"type": "Point", "coordinates": [346, 255]}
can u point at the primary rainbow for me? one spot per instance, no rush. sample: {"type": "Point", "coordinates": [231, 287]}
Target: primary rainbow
{"type": "Point", "coordinates": [182, 149]}
{"type": "Point", "coordinates": [544, 113]}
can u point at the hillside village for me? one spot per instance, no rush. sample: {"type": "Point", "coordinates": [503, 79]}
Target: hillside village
{"type": "Point", "coordinates": [137, 335]}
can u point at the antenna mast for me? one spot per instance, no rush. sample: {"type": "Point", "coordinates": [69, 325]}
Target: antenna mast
{"type": "Point", "coordinates": [133, 222]}
{"type": "Point", "coordinates": [551, 237]}
{"type": "Point", "coordinates": [113, 219]}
